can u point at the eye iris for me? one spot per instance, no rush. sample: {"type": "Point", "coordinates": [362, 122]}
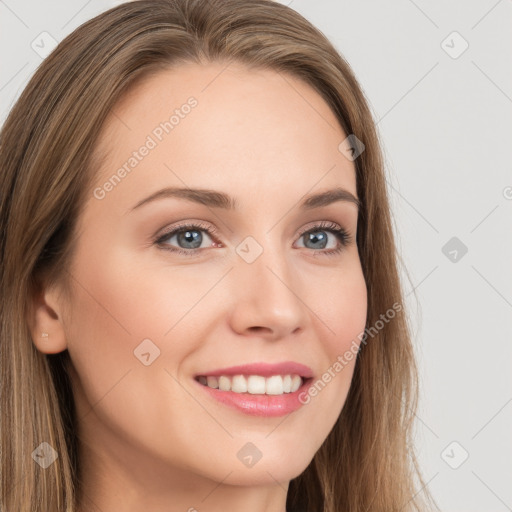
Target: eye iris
{"type": "Point", "coordinates": [190, 237]}
{"type": "Point", "coordinates": [316, 237]}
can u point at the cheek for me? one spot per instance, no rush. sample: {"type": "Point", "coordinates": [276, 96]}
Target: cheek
{"type": "Point", "coordinates": [341, 305]}
{"type": "Point", "coordinates": [119, 302]}
{"type": "Point", "coordinates": [111, 315]}
{"type": "Point", "coordinates": [131, 299]}
{"type": "Point", "coordinates": [341, 311]}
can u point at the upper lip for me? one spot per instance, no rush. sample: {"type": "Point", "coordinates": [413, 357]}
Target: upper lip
{"type": "Point", "coordinates": [263, 369]}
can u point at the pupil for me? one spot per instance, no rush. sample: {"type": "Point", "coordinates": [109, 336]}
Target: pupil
{"type": "Point", "coordinates": [194, 238]}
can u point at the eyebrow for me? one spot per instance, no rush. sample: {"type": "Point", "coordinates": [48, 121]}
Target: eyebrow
{"type": "Point", "coordinates": [215, 199]}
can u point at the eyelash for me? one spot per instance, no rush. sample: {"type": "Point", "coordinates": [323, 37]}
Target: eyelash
{"type": "Point", "coordinates": [342, 235]}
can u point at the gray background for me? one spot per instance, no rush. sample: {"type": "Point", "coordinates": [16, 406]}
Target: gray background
{"type": "Point", "coordinates": [444, 118]}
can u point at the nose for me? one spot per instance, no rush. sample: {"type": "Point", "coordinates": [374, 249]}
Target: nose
{"type": "Point", "coordinates": [267, 297]}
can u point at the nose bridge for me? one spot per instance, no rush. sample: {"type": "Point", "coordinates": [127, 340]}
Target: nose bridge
{"type": "Point", "coordinates": [267, 289]}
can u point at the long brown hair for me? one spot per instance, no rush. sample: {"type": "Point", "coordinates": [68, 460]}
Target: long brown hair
{"type": "Point", "coordinates": [46, 156]}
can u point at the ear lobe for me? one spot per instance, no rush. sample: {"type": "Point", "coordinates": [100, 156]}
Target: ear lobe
{"type": "Point", "coordinates": [45, 321]}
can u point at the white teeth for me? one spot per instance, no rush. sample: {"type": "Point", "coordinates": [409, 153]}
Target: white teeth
{"type": "Point", "coordinates": [274, 385]}
{"type": "Point", "coordinates": [239, 384]}
{"type": "Point", "coordinates": [254, 384]}
{"type": "Point", "coordinates": [287, 383]}
{"type": "Point", "coordinates": [212, 382]}
{"type": "Point", "coordinates": [224, 383]}
{"type": "Point", "coordinates": [296, 382]}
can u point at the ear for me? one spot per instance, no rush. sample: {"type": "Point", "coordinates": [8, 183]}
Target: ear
{"type": "Point", "coordinates": [45, 319]}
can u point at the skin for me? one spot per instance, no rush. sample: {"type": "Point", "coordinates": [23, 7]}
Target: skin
{"type": "Point", "coordinates": [151, 439]}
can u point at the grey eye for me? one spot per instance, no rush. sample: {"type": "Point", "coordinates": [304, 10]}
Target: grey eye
{"type": "Point", "coordinates": [315, 239]}
{"type": "Point", "coordinates": [189, 239]}
{"type": "Point", "coordinates": [186, 238]}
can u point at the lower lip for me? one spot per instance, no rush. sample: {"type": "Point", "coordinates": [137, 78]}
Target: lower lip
{"type": "Point", "coordinates": [261, 405]}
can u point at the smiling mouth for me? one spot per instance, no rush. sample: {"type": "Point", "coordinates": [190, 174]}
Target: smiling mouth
{"type": "Point", "coordinates": [254, 384]}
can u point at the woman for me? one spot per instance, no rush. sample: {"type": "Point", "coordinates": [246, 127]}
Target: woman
{"type": "Point", "coordinates": [200, 300]}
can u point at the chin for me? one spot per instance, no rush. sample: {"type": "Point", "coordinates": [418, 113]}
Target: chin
{"type": "Point", "coordinates": [267, 473]}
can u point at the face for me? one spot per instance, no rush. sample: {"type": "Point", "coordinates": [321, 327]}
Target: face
{"type": "Point", "coordinates": [171, 289]}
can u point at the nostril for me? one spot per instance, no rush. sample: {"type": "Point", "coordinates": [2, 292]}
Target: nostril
{"type": "Point", "coordinates": [258, 328]}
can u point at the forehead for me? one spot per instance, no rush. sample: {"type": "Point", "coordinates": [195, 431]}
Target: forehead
{"type": "Point", "coordinates": [224, 124]}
